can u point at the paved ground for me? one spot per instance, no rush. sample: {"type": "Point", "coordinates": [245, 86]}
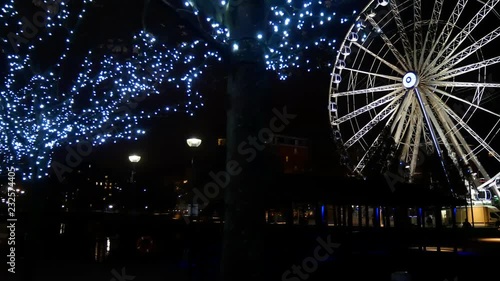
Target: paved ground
{"type": "Point", "coordinates": [368, 254]}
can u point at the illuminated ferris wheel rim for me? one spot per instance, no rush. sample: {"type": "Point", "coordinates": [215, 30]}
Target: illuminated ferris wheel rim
{"type": "Point", "coordinates": [410, 73]}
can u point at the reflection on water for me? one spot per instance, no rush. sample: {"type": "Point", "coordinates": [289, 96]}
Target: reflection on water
{"type": "Point", "coordinates": [102, 248]}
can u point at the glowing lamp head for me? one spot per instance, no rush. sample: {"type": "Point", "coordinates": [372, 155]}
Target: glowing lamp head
{"type": "Point", "coordinates": [134, 158]}
{"type": "Point", "coordinates": [193, 142]}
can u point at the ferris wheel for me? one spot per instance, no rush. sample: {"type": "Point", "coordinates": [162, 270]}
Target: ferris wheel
{"type": "Point", "coordinates": [419, 73]}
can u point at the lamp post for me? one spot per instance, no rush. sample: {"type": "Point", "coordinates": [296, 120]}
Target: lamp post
{"type": "Point", "coordinates": [134, 159]}
{"type": "Point", "coordinates": [193, 143]}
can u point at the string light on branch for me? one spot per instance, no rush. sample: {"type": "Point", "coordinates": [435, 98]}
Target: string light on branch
{"type": "Point", "coordinates": [104, 101]}
{"type": "Point", "coordinates": [102, 104]}
{"type": "Point", "coordinates": [299, 35]}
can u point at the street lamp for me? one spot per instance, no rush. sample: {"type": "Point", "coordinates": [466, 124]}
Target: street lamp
{"type": "Point", "coordinates": [193, 143]}
{"type": "Point", "coordinates": [134, 159]}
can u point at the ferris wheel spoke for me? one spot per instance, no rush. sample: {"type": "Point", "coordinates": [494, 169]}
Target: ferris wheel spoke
{"type": "Point", "coordinates": [454, 60]}
{"type": "Point", "coordinates": [400, 58]}
{"type": "Point", "coordinates": [493, 132]}
{"type": "Point", "coordinates": [387, 111]}
{"type": "Point", "coordinates": [368, 153]}
{"type": "Point", "coordinates": [373, 74]}
{"type": "Point", "coordinates": [417, 31]}
{"type": "Point", "coordinates": [405, 122]}
{"type": "Point", "coordinates": [414, 146]}
{"type": "Point", "coordinates": [408, 139]}
{"type": "Point", "coordinates": [384, 88]}
{"type": "Point", "coordinates": [441, 128]}
{"type": "Point", "coordinates": [353, 78]}
{"type": "Point", "coordinates": [464, 101]}
{"type": "Point", "coordinates": [463, 84]}
{"type": "Point", "coordinates": [466, 31]}
{"type": "Point", "coordinates": [462, 142]}
{"type": "Point", "coordinates": [393, 67]}
{"type": "Point", "coordinates": [493, 129]}
{"type": "Point", "coordinates": [464, 69]}
{"type": "Point", "coordinates": [433, 26]}
{"type": "Point", "coordinates": [401, 113]}
{"type": "Point", "coordinates": [468, 154]}
{"type": "Point", "coordinates": [383, 100]}
{"type": "Point", "coordinates": [445, 34]}
{"type": "Point", "coordinates": [478, 96]}
{"type": "Point", "coordinates": [457, 139]}
{"type": "Point", "coordinates": [401, 31]}
{"type": "Point", "coordinates": [469, 130]}
{"type": "Point", "coordinates": [450, 132]}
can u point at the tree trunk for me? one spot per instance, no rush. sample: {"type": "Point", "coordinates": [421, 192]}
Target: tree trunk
{"type": "Point", "coordinates": [39, 222]}
{"type": "Point", "coordinates": [247, 120]}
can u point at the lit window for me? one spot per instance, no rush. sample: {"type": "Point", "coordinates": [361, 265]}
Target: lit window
{"type": "Point", "coordinates": [286, 158]}
{"type": "Point", "coordinates": [221, 141]}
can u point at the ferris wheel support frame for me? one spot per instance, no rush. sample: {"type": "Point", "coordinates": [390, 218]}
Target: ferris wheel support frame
{"type": "Point", "coordinates": [410, 82]}
{"type": "Point", "coordinates": [431, 131]}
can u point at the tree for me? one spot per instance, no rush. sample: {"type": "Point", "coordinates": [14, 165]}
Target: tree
{"type": "Point", "coordinates": [43, 108]}
{"type": "Point", "coordinates": [250, 37]}
{"type": "Point", "coordinates": [98, 104]}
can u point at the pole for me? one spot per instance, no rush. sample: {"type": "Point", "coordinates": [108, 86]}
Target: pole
{"type": "Point", "coordinates": [192, 187]}
{"type": "Point", "coordinates": [133, 191]}
{"type": "Point", "coordinates": [471, 204]}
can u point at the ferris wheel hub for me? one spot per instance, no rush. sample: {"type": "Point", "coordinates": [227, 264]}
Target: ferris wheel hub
{"type": "Point", "coordinates": [410, 80]}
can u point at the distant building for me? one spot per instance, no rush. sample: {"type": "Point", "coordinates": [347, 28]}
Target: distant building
{"type": "Point", "coordinates": [91, 189]}
{"type": "Point", "coordinates": [293, 153]}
